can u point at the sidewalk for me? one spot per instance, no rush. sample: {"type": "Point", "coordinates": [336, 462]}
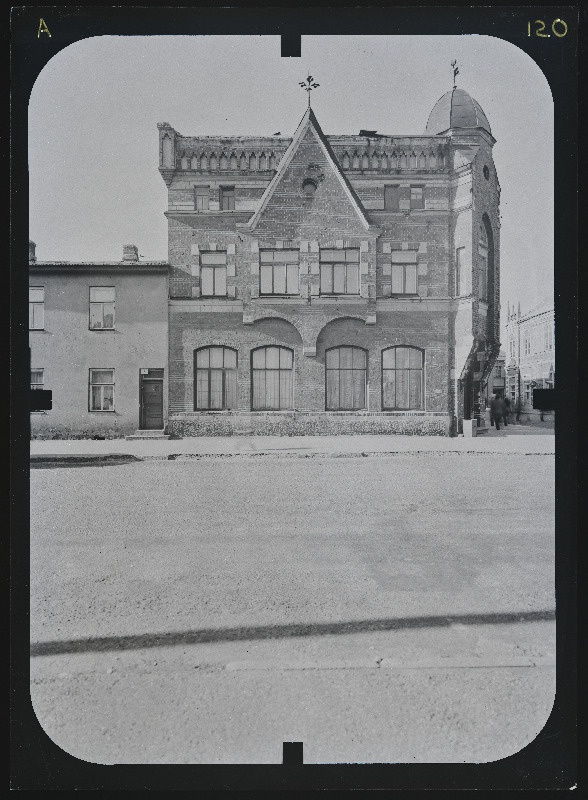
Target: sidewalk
{"type": "Point", "coordinates": [515, 440]}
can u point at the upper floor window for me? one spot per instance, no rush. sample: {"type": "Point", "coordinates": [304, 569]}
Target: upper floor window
{"type": "Point", "coordinates": [548, 337]}
{"type": "Point", "coordinates": [213, 274]}
{"type": "Point", "coordinates": [101, 307]}
{"type": "Point", "coordinates": [36, 308]}
{"type": "Point", "coordinates": [272, 379]}
{"type": "Point", "coordinates": [37, 378]}
{"type": "Point", "coordinates": [278, 272]}
{"type": "Point", "coordinates": [404, 272]}
{"type": "Point", "coordinates": [215, 375]}
{"type": "Point", "coordinates": [402, 378]}
{"type": "Point", "coordinates": [227, 198]}
{"type": "Point", "coordinates": [512, 351]}
{"type": "Point", "coordinates": [339, 271]}
{"type": "Point", "coordinates": [460, 276]}
{"type": "Point", "coordinates": [483, 263]}
{"type": "Point", "coordinates": [391, 198]}
{"type": "Point", "coordinates": [101, 390]}
{"type": "Point", "coordinates": [527, 344]}
{"type": "Point", "coordinates": [201, 198]}
{"type": "Point", "coordinates": [417, 197]}
{"type": "Point", "coordinates": [346, 378]}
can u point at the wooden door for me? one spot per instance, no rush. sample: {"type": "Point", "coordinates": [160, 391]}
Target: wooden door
{"type": "Point", "coordinates": [152, 404]}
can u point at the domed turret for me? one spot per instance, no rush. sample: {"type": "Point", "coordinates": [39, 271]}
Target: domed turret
{"type": "Point", "coordinates": [456, 109]}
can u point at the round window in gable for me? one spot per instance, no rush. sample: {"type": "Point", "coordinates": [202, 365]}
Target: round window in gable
{"type": "Point", "coordinates": [486, 172]}
{"type": "Point", "coordinates": [309, 186]}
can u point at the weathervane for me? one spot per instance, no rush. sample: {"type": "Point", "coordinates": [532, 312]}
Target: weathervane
{"type": "Point", "coordinates": [308, 86]}
{"type": "Point", "coordinates": [455, 72]}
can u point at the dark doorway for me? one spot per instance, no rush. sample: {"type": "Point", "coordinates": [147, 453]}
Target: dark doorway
{"type": "Point", "coordinates": [151, 399]}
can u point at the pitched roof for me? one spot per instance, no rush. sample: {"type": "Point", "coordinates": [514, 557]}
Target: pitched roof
{"type": "Point", "coordinates": [309, 121]}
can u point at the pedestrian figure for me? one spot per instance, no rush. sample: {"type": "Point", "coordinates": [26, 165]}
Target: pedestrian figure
{"type": "Point", "coordinates": [518, 409]}
{"type": "Point", "coordinates": [506, 409]}
{"type": "Point", "coordinates": [496, 411]}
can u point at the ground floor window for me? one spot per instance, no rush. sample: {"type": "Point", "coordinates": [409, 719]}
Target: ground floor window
{"type": "Point", "coordinates": [402, 379]}
{"type": "Point", "coordinates": [101, 390]}
{"type": "Point", "coordinates": [272, 379]}
{"type": "Point", "coordinates": [346, 378]}
{"type": "Point", "coordinates": [215, 370]}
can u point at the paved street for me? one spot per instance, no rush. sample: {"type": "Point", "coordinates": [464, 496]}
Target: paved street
{"type": "Point", "coordinates": [205, 610]}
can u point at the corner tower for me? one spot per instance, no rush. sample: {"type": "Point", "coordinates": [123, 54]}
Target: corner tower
{"type": "Point", "coordinates": [474, 257]}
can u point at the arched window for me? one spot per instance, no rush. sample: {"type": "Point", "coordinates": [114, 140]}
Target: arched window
{"type": "Point", "coordinates": [272, 161]}
{"type": "Point", "coordinates": [384, 163]}
{"type": "Point", "coordinates": [262, 161]}
{"type": "Point", "coordinates": [413, 161]}
{"type": "Point", "coordinates": [194, 162]}
{"type": "Point", "coordinates": [184, 162]}
{"type": "Point", "coordinates": [432, 160]}
{"type": "Point", "coordinates": [215, 378]}
{"type": "Point", "coordinates": [223, 161]}
{"type": "Point", "coordinates": [483, 263]}
{"type": "Point", "coordinates": [203, 162]}
{"type": "Point", "coordinates": [346, 378]}
{"type": "Point", "coordinates": [402, 378]}
{"type": "Point", "coordinates": [403, 161]}
{"type": "Point", "coordinates": [167, 154]}
{"type": "Point", "coordinates": [243, 162]}
{"type": "Point", "coordinates": [213, 161]}
{"type": "Point", "coordinates": [233, 161]}
{"type": "Point", "coordinates": [375, 161]}
{"type": "Point", "coordinates": [252, 161]}
{"type": "Point", "coordinates": [345, 161]}
{"type": "Point", "coordinates": [365, 161]}
{"type": "Point", "coordinates": [272, 379]}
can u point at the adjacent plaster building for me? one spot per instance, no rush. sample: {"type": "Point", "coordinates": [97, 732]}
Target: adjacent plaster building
{"type": "Point", "coordinates": [98, 341]}
{"type": "Point", "coordinates": [530, 356]}
{"type": "Point", "coordinates": [327, 284]}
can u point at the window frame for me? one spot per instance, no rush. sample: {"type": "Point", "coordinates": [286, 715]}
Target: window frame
{"type": "Point", "coordinates": [214, 268]}
{"type": "Point", "coordinates": [273, 264]}
{"type": "Point", "coordinates": [338, 369]}
{"type": "Point", "coordinates": [392, 186]}
{"type": "Point", "coordinates": [226, 193]}
{"type": "Point", "coordinates": [91, 384]}
{"type": "Point", "coordinates": [40, 384]}
{"type": "Point", "coordinates": [421, 205]}
{"type": "Point", "coordinates": [272, 369]}
{"type": "Point", "coordinates": [209, 369]}
{"type": "Point", "coordinates": [203, 194]}
{"type": "Point", "coordinates": [93, 303]}
{"type": "Point", "coordinates": [36, 304]}
{"type": "Point", "coordinates": [409, 369]}
{"type": "Point", "coordinates": [331, 264]}
{"type": "Point", "coordinates": [403, 266]}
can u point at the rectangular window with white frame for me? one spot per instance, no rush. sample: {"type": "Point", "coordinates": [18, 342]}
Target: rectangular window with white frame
{"type": "Point", "coordinates": [101, 390]}
{"type": "Point", "coordinates": [548, 337]}
{"type": "Point", "coordinates": [102, 308]}
{"type": "Point", "coordinates": [213, 274]}
{"type": "Point", "coordinates": [404, 272]}
{"type": "Point", "coordinates": [36, 308]}
{"type": "Point", "coordinates": [417, 196]}
{"type": "Point", "coordinates": [339, 271]}
{"type": "Point", "coordinates": [201, 197]}
{"type": "Point", "coordinates": [227, 198]}
{"type": "Point", "coordinates": [527, 344]}
{"type": "Point", "coordinates": [37, 379]}
{"type": "Point", "coordinates": [278, 272]}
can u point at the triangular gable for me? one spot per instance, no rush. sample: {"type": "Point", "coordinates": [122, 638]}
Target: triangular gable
{"type": "Point", "coordinates": [308, 121]}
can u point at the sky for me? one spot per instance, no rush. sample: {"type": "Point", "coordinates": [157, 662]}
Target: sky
{"type": "Point", "coordinates": [93, 140]}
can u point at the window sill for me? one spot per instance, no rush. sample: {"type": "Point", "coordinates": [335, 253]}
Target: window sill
{"type": "Point", "coordinates": [38, 330]}
{"type": "Point", "coordinates": [102, 330]}
{"type": "Point", "coordinates": [209, 297]}
{"type": "Point", "coordinates": [97, 411]}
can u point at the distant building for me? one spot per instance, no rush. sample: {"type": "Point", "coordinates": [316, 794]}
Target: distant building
{"type": "Point", "coordinates": [98, 341]}
{"type": "Point", "coordinates": [530, 353]}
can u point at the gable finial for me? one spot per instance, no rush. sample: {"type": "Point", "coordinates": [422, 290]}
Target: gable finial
{"type": "Point", "coordinates": [455, 72]}
{"type": "Point", "coordinates": [308, 85]}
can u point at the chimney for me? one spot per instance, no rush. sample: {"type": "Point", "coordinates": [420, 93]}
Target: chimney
{"type": "Point", "coordinates": [32, 256]}
{"type": "Point", "coordinates": [130, 252]}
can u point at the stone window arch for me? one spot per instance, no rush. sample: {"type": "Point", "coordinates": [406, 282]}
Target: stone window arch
{"type": "Point", "coordinates": [215, 378]}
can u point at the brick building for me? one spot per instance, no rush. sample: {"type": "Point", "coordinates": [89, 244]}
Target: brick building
{"type": "Point", "coordinates": [98, 341]}
{"type": "Point", "coordinates": [332, 283]}
{"type": "Point", "coordinates": [530, 358]}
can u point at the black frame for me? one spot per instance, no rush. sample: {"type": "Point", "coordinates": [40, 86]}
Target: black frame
{"type": "Point", "coordinates": [214, 267]}
{"type": "Point", "coordinates": [422, 371]}
{"type": "Point", "coordinates": [208, 369]}
{"type": "Point", "coordinates": [366, 382]}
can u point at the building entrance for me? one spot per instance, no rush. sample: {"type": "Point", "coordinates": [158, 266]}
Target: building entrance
{"type": "Point", "coordinates": [151, 399]}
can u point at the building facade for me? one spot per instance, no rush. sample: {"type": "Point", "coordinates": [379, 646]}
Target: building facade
{"type": "Point", "coordinates": [98, 341]}
{"type": "Point", "coordinates": [530, 356]}
{"type": "Point", "coordinates": [333, 284]}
